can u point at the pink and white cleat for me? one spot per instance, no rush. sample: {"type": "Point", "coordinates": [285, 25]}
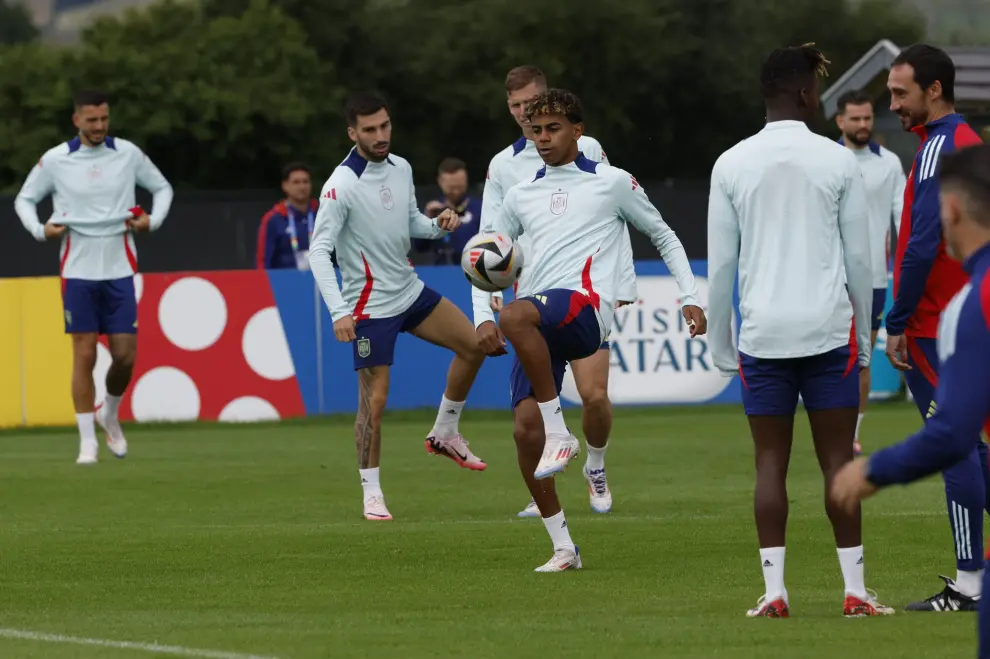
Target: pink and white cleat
{"type": "Point", "coordinates": [375, 510]}
{"type": "Point", "coordinates": [557, 454]}
{"type": "Point", "coordinates": [562, 561]}
{"type": "Point", "coordinates": [115, 434]}
{"type": "Point", "coordinates": [456, 448]}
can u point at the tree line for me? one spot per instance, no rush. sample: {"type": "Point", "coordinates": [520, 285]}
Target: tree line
{"type": "Point", "coordinates": [221, 93]}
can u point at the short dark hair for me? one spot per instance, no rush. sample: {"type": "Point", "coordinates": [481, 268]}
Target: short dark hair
{"type": "Point", "coordinates": [362, 104]}
{"type": "Point", "coordinates": [521, 76]}
{"type": "Point", "coordinates": [89, 97]}
{"type": "Point", "coordinates": [294, 167]}
{"type": "Point", "coordinates": [853, 97]}
{"type": "Point", "coordinates": [930, 64]}
{"type": "Point", "coordinates": [451, 165]}
{"type": "Point", "coordinates": [557, 101]}
{"type": "Point", "coordinates": [787, 70]}
{"type": "Point", "coordinates": [968, 171]}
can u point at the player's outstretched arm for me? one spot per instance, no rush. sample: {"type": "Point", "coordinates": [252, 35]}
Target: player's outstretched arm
{"type": "Point", "coordinates": [723, 263]}
{"type": "Point", "coordinates": [854, 232]}
{"type": "Point", "coordinates": [330, 219]}
{"type": "Point", "coordinates": [421, 226]}
{"type": "Point", "coordinates": [37, 186]}
{"type": "Point", "coordinates": [635, 208]}
{"type": "Point", "coordinates": [149, 177]}
{"type": "Point", "coordinates": [962, 400]}
{"type": "Point", "coordinates": [507, 223]}
{"type": "Point", "coordinates": [926, 234]}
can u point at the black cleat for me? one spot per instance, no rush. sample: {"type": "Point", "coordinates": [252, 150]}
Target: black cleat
{"type": "Point", "coordinates": [949, 600]}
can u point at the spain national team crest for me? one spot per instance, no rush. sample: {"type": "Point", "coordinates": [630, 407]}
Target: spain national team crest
{"type": "Point", "coordinates": [558, 203]}
{"type": "Point", "coordinates": [387, 200]}
{"type": "Point", "coordinates": [364, 347]}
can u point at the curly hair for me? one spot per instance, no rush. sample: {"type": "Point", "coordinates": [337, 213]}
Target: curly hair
{"type": "Point", "coordinates": [556, 101]}
{"type": "Point", "coordinates": [787, 70]}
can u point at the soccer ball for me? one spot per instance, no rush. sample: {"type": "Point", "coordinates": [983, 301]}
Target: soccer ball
{"type": "Point", "coordinates": [492, 262]}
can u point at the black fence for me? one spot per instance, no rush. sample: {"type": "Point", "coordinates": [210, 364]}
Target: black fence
{"type": "Point", "coordinates": [218, 230]}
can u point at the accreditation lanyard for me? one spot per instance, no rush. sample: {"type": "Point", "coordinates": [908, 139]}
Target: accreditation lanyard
{"type": "Point", "coordinates": [302, 256]}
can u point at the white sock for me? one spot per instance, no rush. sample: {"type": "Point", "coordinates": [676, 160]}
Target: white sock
{"type": "Point", "coordinates": [369, 481]}
{"type": "Point", "coordinates": [596, 458]}
{"type": "Point", "coordinates": [112, 404]}
{"type": "Point", "coordinates": [557, 528]}
{"type": "Point", "coordinates": [448, 417]}
{"type": "Point", "coordinates": [553, 418]}
{"type": "Point", "coordinates": [969, 584]}
{"type": "Point", "coordinates": [87, 427]}
{"type": "Point", "coordinates": [772, 560]}
{"type": "Point", "coordinates": [859, 420]}
{"type": "Point", "coordinates": [851, 562]}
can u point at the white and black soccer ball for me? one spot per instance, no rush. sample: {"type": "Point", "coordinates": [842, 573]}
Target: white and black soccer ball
{"type": "Point", "coordinates": [492, 262]}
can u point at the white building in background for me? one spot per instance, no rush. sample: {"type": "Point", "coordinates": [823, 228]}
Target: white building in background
{"type": "Point", "coordinates": [61, 20]}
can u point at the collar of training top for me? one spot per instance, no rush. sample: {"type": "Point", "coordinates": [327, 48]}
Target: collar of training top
{"type": "Point", "coordinates": [980, 256]}
{"type": "Point", "coordinates": [76, 143]}
{"type": "Point", "coordinates": [874, 146]}
{"type": "Point", "coordinates": [953, 119]}
{"type": "Point", "coordinates": [359, 163]}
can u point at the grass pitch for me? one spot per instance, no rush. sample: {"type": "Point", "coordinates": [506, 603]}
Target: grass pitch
{"type": "Point", "coordinates": [250, 540]}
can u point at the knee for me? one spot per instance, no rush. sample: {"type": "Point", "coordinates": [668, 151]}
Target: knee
{"type": "Point", "coordinates": [124, 357]}
{"type": "Point", "coordinates": [511, 319]}
{"type": "Point", "coordinates": [595, 399]}
{"type": "Point", "coordinates": [529, 437]}
{"type": "Point", "coordinates": [85, 356]}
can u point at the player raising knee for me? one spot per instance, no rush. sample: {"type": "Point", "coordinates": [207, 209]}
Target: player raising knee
{"type": "Point", "coordinates": [91, 179]}
{"type": "Point", "coordinates": [788, 210]}
{"type": "Point", "coordinates": [517, 163]}
{"type": "Point", "coordinates": [368, 213]}
{"type": "Point", "coordinates": [574, 211]}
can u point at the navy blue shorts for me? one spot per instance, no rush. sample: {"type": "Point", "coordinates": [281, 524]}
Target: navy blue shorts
{"type": "Point", "coordinates": [104, 307]}
{"type": "Point", "coordinates": [571, 331]}
{"type": "Point", "coordinates": [825, 382]}
{"type": "Point", "coordinates": [375, 342]}
{"type": "Point", "coordinates": [879, 300]}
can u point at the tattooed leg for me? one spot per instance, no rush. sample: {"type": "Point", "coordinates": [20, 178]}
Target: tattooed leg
{"type": "Point", "coordinates": [372, 394]}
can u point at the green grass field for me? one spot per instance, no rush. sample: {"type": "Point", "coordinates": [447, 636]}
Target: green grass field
{"type": "Point", "coordinates": [250, 540]}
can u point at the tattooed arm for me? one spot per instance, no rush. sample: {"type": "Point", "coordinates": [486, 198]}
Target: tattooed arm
{"type": "Point", "coordinates": [372, 392]}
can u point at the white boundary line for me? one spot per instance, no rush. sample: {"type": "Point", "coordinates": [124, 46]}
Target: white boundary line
{"type": "Point", "coordinates": [174, 650]}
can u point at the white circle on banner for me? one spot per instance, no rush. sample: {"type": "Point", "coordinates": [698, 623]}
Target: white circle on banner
{"type": "Point", "coordinates": [249, 408]}
{"type": "Point", "coordinates": [103, 361]}
{"type": "Point", "coordinates": [138, 287]}
{"type": "Point", "coordinates": [265, 348]}
{"type": "Point", "coordinates": [192, 313]}
{"type": "Point", "coordinates": [165, 394]}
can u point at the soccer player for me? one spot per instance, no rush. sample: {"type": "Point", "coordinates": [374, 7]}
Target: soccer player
{"type": "Point", "coordinates": [574, 211]}
{"type": "Point", "coordinates": [884, 178]}
{"type": "Point", "coordinates": [519, 162]}
{"type": "Point", "coordinates": [368, 213]}
{"type": "Point", "coordinates": [921, 83]}
{"type": "Point", "coordinates": [788, 211]}
{"type": "Point", "coordinates": [963, 390]}
{"type": "Point", "coordinates": [91, 179]}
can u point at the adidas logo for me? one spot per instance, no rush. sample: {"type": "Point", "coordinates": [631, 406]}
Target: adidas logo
{"type": "Point", "coordinates": [860, 561]}
{"type": "Point", "coordinates": [767, 563]}
{"type": "Point", "coordinates": [563, 524]}
{"type": "Point", "coordinates": [364, 480]}
{"type": "Point", "coordinates": [558, 411]}
{"type": "Point", "coordinates": [451, 411]}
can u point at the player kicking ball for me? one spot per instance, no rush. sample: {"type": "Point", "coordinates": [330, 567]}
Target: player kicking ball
{"type": "Point", "coordinates": [574, 211]}
{"type": "Point", "coordinates": [368, 213]}
{"type": "Point", "coordinates": [91, 179]}
{"type": "Point", "coordinates": [788, 212]}
{"type": "Point", "coordinates": [512, 165]}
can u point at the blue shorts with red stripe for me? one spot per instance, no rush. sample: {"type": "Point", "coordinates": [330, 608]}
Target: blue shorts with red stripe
{"type": "Point", "coordinates": [376, 337]}
{"type": "Point", "coordinates": [104, 307]}
{"type": "Point", "coordinates": [569, 324]}
{"type": "Point", "coordinates": [825, 382]}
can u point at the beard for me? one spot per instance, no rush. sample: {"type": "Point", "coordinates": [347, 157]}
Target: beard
{"type": "Point", "coordinates": [860, 139]}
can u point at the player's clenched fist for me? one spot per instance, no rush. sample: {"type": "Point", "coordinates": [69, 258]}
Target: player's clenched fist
{"type": "Point", "coordinates": [54, 231]}
{"type": "Point", "coordinates": [490, 339]}
{"type": "Point", "coordinates": [696, 320]}
{"type": "Point", "coordinates": [448, 220]}
{"type": "Point", "coordinates": [343, 329]}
